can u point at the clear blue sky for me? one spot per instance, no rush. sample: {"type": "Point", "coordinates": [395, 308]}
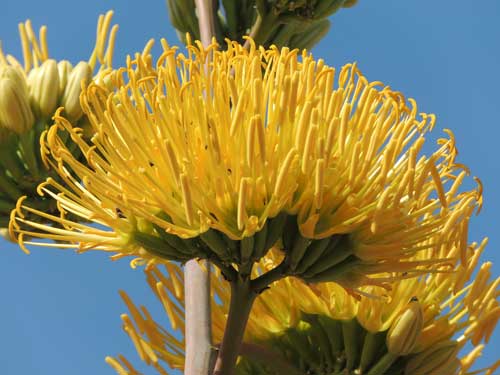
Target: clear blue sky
{"type": "Point", "coordinates": [59, 312]}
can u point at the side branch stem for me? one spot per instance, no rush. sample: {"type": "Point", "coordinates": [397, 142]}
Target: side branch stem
{"type": "Point", "coordinates": [206, 20]}
{"type": "Point", "coordinates": [263, 281]}
{"type": "Point", "coordinates": [242, 299]}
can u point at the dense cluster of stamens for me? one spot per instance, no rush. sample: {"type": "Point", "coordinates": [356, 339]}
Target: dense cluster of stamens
{"type": "Point", "coordinates": [181, 148]}
{"type": "Point", "coordinates": [457, 309]}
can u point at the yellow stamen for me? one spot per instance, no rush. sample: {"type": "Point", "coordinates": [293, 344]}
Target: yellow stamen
{"type": "Point", "coordinates": [242, 198]}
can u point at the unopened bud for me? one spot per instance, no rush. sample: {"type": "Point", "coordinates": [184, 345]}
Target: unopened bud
{"type": "Point", "coordinates": [349, 3]}
{"type": "Point", "coordinates": [406, 329]}
{"type": "Point", "coordinates": [71, 97]}
{"type": "Point", "coordinates": [15, 111]}
{"type": "Point", "coordinates": [4, 232]}
{"type": "Point", "coordinates": [104, 79]}
{"type": "Point", "coordinates": [64, 68]}
{"type": "Point", "coordinates": [16, 74]}
{"type": "Point", "coordinates": [44, 88]}
{"type": "Point", "coordinates": [437, 359]}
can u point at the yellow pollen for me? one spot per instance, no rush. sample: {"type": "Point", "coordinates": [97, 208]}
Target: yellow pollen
{"type": "Point", "coordinates": [242, 199]}
{"type": "Point", "coordinates": [186, 195]}
{"type": "Point", "coordinates": [309, 147]}
{"type": "Point", "coordinates": [284, 169]}
{"type": "Point", "coordinates": [303, 124]}
{"type": "Point", "coordinates": [251, 144]}
{"type": "Point", "coordinates": [238, 114]}
{"type": "Point", "coordinates": [261, 136]}
{"type": "Point", "coordinates": [319, 182]}
{"type": "Point", "coordinates": [439, 185]}
{"type": "Point", "coordinates": [167, 305]}
{"type": "Point", "coordinates": [172, 159]}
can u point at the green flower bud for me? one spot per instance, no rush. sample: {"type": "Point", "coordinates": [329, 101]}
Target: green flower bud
{"type": "Point", "coordinates": [44, 88]}
{"type": "Point", "coordinates": [71, 97]}
{"type": "Point", "coordinates": [349, 3]}
{"type": "Point", "coordinates": [64, 68]}
{"type": "Point", "coordinates": [15, 111]}
{"type": "Point", "coordinates": [4, 232]}
{"type": "Point", "coordinates": [438, 359]}
{"type": "Point", "coordinates": [406, 329]}
{"type": "Point", "coordinates": [16, 74]}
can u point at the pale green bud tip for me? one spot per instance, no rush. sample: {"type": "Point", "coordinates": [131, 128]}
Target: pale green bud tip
{"type": "Point", "coordinates": [405, 331]}
{"type": "Point", "coordinates": [15, 111]}
{"type": "Point", "coordinates": [349, 3]}
{"type": "Point", "coordinates": [82, 73]}
{"type": "Point", "coordinates": [44, 88]}
{"type": "Point", "coordinates": [4, 232]}
{"type": "Point", "coordinates": [438, 359]}
{"type": "Point", "coordinates": [64, 68]}
{"type": "Point", "coordinates": [16, 74]}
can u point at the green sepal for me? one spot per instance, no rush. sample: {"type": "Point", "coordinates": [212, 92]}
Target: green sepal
{"type": "Point", "coordinates": [10, 160]}
{"type": "Point", "coordinates": [308, 38]}
{"type": "Point", "coordinates": [232, 19]}
{"type": "Point", "coordinates": [275, 229]}
{"type": "Point", "coordinates": [282, 37]}
{"type": "Point", "coordinates": [300, 341]}
{"type": "Point", "coordinates": [29, 148]}
{"type": "Point", "coordinates": [334, 273]}
{"type": "Point", "coordinates": [259, 248]}
{"type": "Point", "coordinates": [335, 334]}
{"type": "Point", "coordinates": [338, 250]}
{"type": "Point", "coordinates": [290, 233]}
{"type": "Point", "coordinates": [246, 248]}
{"type": "Point", "coordinates": [215, 242]}
{"type": "Point", "coordinates": [183, 17]}
{"type": "Point", "coordinates": [327, 8]}
{"type": "Point", "coordinates": [353, 337]}
{"type": "Point", "coordinates": [320, 337]}
{"type": "Point", "coordinates": [384, 363]}
{"type": "Point", "coordinates": [174, 241]}
{"type": "Point", "coordinates": [371, 348]}
{"type": "Point", "coordinates": [157, 247]}
{"type": "Point", "coordinates": [299, 248]}
{"type": "Point", "coordinates": [313, 253]}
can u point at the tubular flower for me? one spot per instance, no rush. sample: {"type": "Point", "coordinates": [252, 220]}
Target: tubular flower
{"type": "Point", "coordinates": [29, 97]}
{"type": "Point", "coordinates": [260, 148]}
{"type": "Point", "coordinates": [301, 328]}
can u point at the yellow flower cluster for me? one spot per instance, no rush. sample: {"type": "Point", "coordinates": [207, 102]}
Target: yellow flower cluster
{"type": "Point", "coordinates": [35, 90]}
{"type": "Point", "coordinates": [31, 93]}
{"type": "Point", "coordinates": [261, 146]}
{"type": "Point", "coordinates": [456, 309]}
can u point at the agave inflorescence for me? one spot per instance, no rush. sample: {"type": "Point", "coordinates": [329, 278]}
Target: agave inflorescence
{"type": "Point", "coordinates": [419, 327]}
{"type": "Point", "coordinates": [29, 96]}
{"type": "Point", "coordinates": [265, 146]}
{"type": "Point", "coordinates": [223, 159]}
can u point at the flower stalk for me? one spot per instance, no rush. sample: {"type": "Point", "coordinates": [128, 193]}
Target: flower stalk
{"type": "Point", "coordinates": [197, 286]}
{"type": "Point", "coordinates": [242, 298]}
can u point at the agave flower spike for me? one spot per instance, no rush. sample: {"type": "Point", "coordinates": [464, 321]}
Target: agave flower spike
{"type": "Point", "coordinates": [259, 147]}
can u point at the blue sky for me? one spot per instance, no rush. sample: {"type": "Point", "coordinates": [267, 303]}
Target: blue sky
{"type": "Point", "coordinates": [59, 312]}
